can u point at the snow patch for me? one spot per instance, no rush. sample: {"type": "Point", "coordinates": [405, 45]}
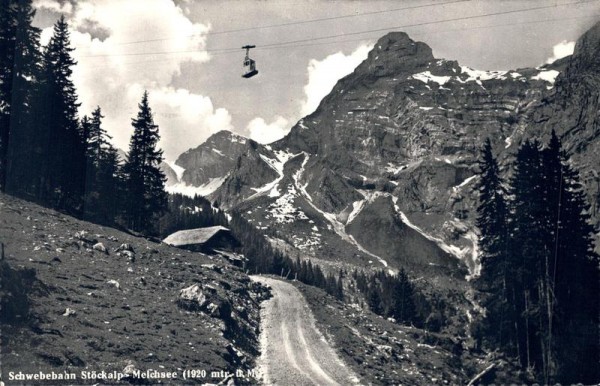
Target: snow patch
{"type": "Point", "coordinates": [218, 152]}
{"type": "Point", "coordinates": [426, 76]}
{"type": "Point", "coordinates": [298, 176]}
{"type": "Point", "coordinates": [177, 169]}
{"type": "Point", "coordinates": [301, 124]}
{"type": "Point", "coordinates": [462, 184]}
{"type": "Point", "coordinates": [283, 209]}
{"type": "Point", "coordinates": [476, 269]}
{"type": "Point", "coordinates": [276, 164]}
{"type": "Point", "coordinates": [479, 75]}
{"type": "Point", "coordinates": [393, 168]}
{"type": "Point", "coordinates": [238, 138]}
{"type": "Point", "coordinates": [357, 207]}
{"type": "Point", "coordinates": [548, 76]}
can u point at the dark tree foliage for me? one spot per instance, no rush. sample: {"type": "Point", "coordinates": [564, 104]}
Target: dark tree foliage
{"type": "Point", "coordinates": [62, 147]}
{"type": "Point", "coordinates": [549, 289]}
{"type": "Point", "coordinates": [146, 199]}
{"type": "Point", "coordinates": [20, 60]}
{"type": "Point", "coordinates": [188, 213]}
{"type": "Point", "coordinates": [103, 184]}
{"type": "Point", "coordinates": [47, 155]}
{"type": "Point", "coordinates": [492, 221]}
{"type": "Point", "coordinates": [263, 258]}
{"type": "Point", "coordinates": [572, 277]}
{"type": "Point", "coordinates": [393, 296]}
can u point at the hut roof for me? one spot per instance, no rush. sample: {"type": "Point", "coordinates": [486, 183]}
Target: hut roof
{"type": "Point", "coordinates": [193, 236]}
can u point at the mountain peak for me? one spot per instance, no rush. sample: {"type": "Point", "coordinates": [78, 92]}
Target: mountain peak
{"type": "Point", "coordinates": [227, 135]}
{"type": "Point", "coordinates": [395, 41]}
{"type": "Point", "coordinates": [587, 51]}
{"type": "Point", "coordinates": [396, 53]}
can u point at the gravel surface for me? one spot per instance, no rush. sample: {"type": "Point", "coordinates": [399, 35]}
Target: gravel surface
{"type": "Point", "coordinates": [293, 350]}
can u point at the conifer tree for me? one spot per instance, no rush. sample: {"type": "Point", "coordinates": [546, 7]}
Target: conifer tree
{"type": "Point", "coordinates": [339, 292]}
{"type": "Point", "coordinates": [497, 270]}
{"type": "Point", "coordinates": [528, 249]}
{"type": "Point", "coordinates": [374, 296]}
{"type": "Point", "coordinates": [552, 278]}
{"type": "Point", "coordinates": [145, 183]}
{"type": "Point", "coordinates": [62, 147]}
{"type": "Point", "coordinates": [102, 170]}
{"type": "Point", "coordinates": [572, 276]}
{"type": "Point", "coordinates": [404, 309]}
{"type": "Point", "coordinates": [19, 77]}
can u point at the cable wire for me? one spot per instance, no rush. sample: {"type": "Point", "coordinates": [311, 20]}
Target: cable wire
{"type": "Point", "coordinates": [294, 42]}
{"type": "Point", "coordinates": [304, 21]}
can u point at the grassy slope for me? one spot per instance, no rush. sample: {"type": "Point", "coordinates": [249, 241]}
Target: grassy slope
{"type": "Point", "coordinates": [139, 322]}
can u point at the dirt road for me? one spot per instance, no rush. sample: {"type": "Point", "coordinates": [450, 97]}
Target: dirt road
{"type": "Point", "coordinates": [293, 350]}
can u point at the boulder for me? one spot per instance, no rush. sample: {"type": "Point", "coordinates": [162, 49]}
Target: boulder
{"type": "Point", "coordinates": [100, 247]}
{"type": "Point", "coordinates": [115, 283]}
{"type": "Point", "coordinates": [81, 235]}
{"type": "Point", "coordinates": [125, 247]}
{"type": "Point", "coordinates": [192, 298]}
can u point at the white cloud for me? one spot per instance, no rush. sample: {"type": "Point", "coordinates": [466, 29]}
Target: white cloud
{"type": "Point", "coordinates": [185, 119]}
{"type": "Point", "coordinates": [111, 74]}
{"type": "Point", "coordinates": [323, 75]}
{"type": "Point", "coordinates": [54, 6]}
{"type": "Point", "coordinates": [264, 132]}
{"type": "Point", "coordinates": [561, 50]}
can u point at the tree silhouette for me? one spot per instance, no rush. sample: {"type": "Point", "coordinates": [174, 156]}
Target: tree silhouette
{"type": "Point", "coordinates": [62, 152]}
{"type": "Point", "coordinates": [146, 198]}
{"type": "Point", "coordinates": [19, 84]}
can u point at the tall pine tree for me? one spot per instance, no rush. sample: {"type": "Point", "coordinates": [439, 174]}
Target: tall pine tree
{"type": "Point", "coordinates": [572, 276]}
{"type": "Point", "coordinates": [552, 278]}
{"type": "Point", "coordinates": [62, 147]}
{"type": "Point", "coordinates": [146, 198]}
{"type": "Point", "coordinates": [102, 171]}
{"type": "Point", "coordinates": [496, 280]}
{"type": "Point", "coordinates": [528, 251]}
{"type": "Point", "coordinates": [19, 77]}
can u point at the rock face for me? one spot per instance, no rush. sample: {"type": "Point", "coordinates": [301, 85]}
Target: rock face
{"type": "Point", "coordinates": [214, 158]}
{"type": "Point", "coordinates": [169, 173]}
{"type": "Point", "coordinates": [207, 167]}
{"type": "Point", "coordinates": [380, 230]}
{"type": "Point", "coordinates": [390, 153]}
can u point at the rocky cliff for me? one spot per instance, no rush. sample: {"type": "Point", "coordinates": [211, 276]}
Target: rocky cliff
{"type": "Point", "coordinates": [382, 173]}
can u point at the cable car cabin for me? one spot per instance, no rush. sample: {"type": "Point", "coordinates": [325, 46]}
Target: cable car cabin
{"type": "Point", "coordinates": [249, 64]}
{"type": "Point", "coordinates": [249, 68]}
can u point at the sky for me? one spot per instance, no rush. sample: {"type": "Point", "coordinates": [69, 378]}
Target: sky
{"type": "Point", "coordinates": [188, 54]}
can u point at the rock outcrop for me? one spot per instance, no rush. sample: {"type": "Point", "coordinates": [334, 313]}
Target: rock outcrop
{"type": "Point", "coordinates": [408, 127]}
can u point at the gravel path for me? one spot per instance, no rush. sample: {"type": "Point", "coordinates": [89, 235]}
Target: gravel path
{"type": "Point", "coordinates": [294, 352]}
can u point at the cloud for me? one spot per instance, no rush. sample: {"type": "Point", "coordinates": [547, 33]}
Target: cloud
{"type": "Point", "coordinates": [264, 132]}
{"type": "Point", "coordinates": [185, 119]}
{"type": "Point", "coordinates": [323, 75]}
{"type": "Point", "coordinates": [113, 71]}
{"type": "Point", "coordinates": [561, 50]}
{"type": "Point", "coordinates": [54, 6]}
